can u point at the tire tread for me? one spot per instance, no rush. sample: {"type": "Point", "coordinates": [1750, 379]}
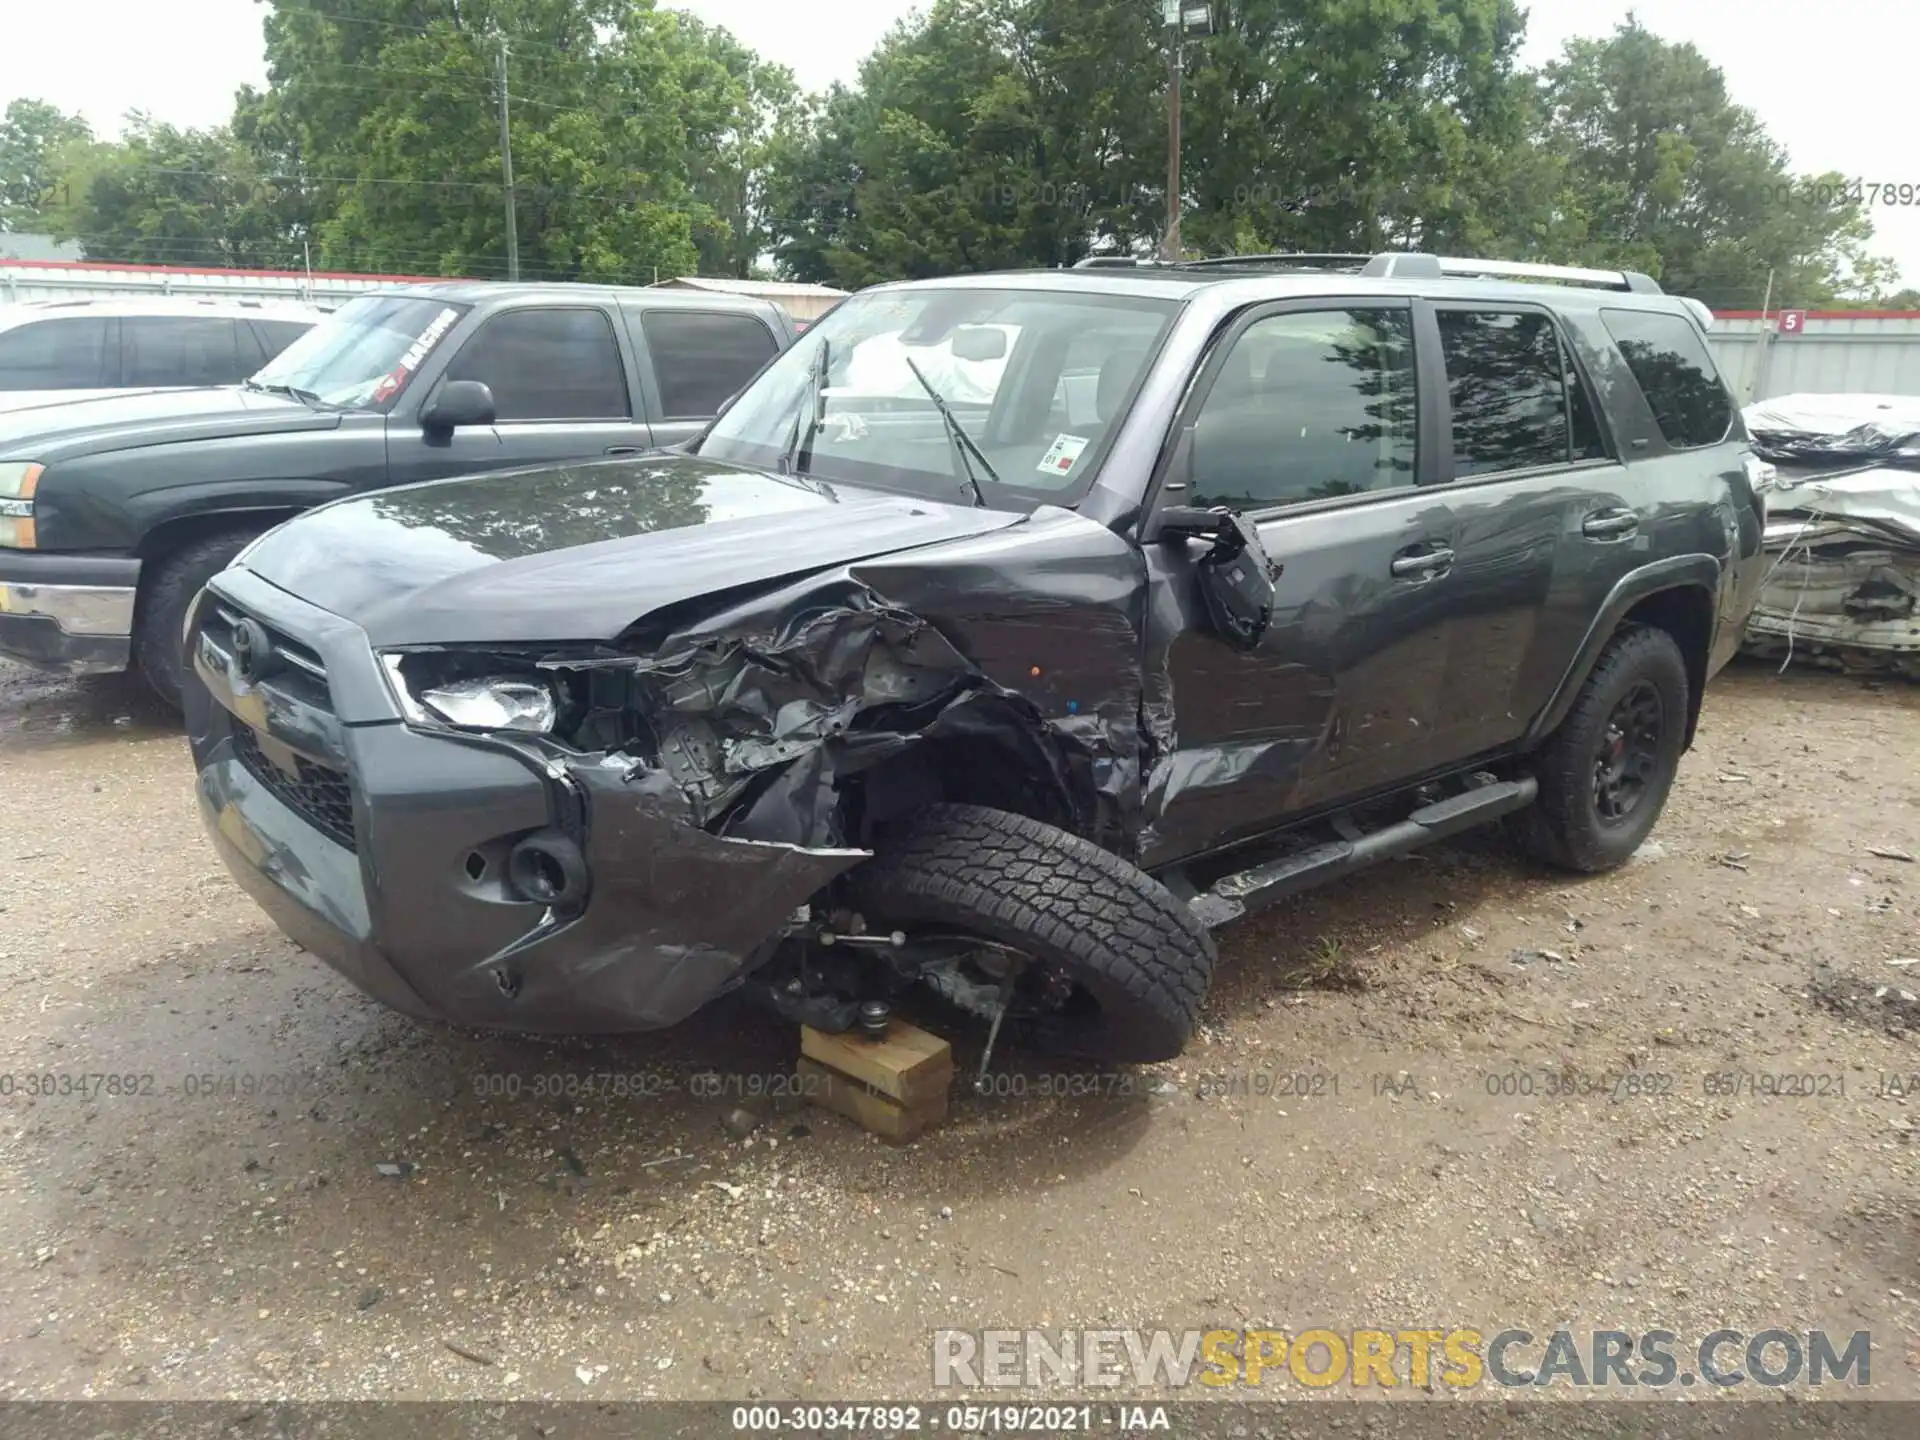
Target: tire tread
{"type": "Point", "coordinates": [1080, 905]}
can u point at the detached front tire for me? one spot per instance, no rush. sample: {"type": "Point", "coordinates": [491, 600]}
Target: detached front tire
{"type": "Point", "coordinates": [1123, 965]}
{"type": "Point", "coordinates": [1605, 774]}
{"type": "Point", "coordinates": [157, 648]}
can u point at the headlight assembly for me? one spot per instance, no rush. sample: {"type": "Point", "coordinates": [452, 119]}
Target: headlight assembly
{"type": "Point", "coordinates": [470, 692]}
{"type": "Point", "coordinates": [18, 480]}
{"type": "Point", "coordinates": [495, 703]}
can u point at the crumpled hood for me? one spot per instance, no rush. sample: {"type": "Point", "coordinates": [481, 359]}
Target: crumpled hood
{"type": "Point", "coordinates": [581, 552]}
{"type": "Point", "coordinates": [50, 433]}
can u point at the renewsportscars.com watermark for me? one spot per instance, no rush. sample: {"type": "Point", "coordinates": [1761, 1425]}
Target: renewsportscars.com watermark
{"type": "Point", "coordinates": [1420, 1358]}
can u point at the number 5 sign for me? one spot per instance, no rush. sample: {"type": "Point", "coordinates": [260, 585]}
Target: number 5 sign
{"type": "Point", "coordinates": [1792, 322]}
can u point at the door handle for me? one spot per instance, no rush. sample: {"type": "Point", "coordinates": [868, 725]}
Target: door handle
{"type": "Point", "coordinates": [1422, 564]}
{"type": "Point", "coordinates": [1610, 524]}
{"type": "Point", "coordinates": [623, 450]}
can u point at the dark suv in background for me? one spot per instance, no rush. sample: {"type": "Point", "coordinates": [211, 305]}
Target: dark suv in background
{"type": "Point", "coordinates": [114, 512]}
{"type": "Point", "coordinates": [1006, 635]}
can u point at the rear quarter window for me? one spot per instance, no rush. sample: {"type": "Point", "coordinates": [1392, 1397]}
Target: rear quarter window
{"type": "Point", "coordinates": [701, 358]}
{"type": "Point", "coordinates": [1676, 373]}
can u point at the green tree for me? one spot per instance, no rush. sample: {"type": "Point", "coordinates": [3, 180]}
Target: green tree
{"type": "Point", "coordinates": [1029, 132]}
{"type": "Point", "coordinates": [162, 195]}
{"type": "Point", "coordinates": [633, 132]}
{"type": "Point", "coordinates": [1356, 125]}
{"type": "Point", "coordinates": [33, 135]}
{"type": "Point", "coordinates": [743, 111]}
{"type": "Point", "coordinates": [985, 133]}
{"type": "Point", "coordinates": [1669, 176]}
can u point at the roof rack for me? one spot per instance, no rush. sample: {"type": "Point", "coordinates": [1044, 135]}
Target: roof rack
{"type": "Point", "coordinates": [1404, 264]}
{"type": "Point", "coordinates": [1419, 264]}
{"type": "Point", "coordinates": [1303, 261]}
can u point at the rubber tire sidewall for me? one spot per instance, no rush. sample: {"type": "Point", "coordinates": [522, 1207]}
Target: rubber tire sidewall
{"type": "Point", "coordinates": [1563, 827]}
{"type": "Point", "coordinates": [1118, 932]}
{"type": "Point", "coordinates": [158, 650]}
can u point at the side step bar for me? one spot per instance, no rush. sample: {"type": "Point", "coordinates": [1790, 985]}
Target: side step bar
{"type": "Point", "coordinates": [1245, 891]}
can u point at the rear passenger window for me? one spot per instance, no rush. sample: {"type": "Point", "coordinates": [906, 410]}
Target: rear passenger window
{"type": "Point", "coordinates": [702, 360]}
{"type": "Point", "coordinates": [1517, 400]}
{"type": "Point", "coordinates": [1306, 406]}
{"type": "Point", "coordinates": [68, 354]}
{"type": "Point", "coordinates": [548, 365]}
{"type": "Point", "coordinates": [164, 350]}
{"type": "Point", "coordinates": [1676, 374]}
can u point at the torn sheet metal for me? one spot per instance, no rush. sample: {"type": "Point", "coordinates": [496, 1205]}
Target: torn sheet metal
{"type": "Point", "coordinates": [761, 708]}
{"type": "Point", "coordinates": [678, 916]}
{"type": "Point", "coordinates": [1843, 534]}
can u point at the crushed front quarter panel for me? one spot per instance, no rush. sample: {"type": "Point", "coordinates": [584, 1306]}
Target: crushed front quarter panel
{"type": "Point", "coordinates": [762, 702]}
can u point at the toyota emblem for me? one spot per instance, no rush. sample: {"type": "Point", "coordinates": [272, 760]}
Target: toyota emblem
{"type": "Point", "coordinates": [252, 650]}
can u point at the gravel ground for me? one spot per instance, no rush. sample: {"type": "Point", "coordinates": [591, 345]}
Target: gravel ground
{"type": "Point", "coordinates": [313, 1198]}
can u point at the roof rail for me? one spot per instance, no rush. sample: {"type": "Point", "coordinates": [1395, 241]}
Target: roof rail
{"type": "Point", "coordinates": [1403, 264]}
{"type": "Point", "coordinates": [1417, 264]}
{"type": "Point", "coordinates": [1302, 261]}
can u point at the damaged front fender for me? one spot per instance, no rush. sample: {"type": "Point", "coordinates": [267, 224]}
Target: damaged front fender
{"type": "Point", "coordinates": [723, 763]}
{"type": "Point", "coordinates": [753, 716]}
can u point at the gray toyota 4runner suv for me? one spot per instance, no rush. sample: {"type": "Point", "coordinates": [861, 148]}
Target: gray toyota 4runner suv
{"type": "Point", "coordinates": [115, 511]}
{"type": "Point", "coordinates": [1007, 635]}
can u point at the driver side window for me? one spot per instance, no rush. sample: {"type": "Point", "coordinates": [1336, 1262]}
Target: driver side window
{"type": "Point", "coordinates": [548, 365]}
{"type": "Point", "coordinates": [1307, 405]}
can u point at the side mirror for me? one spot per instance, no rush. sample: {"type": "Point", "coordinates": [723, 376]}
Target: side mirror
{"type": "Point", "coordinates": [457, 403]}
{"type": "Point", "coordinates": [1235, 576]}
{"type": "Point", "coordinates": [979, 342]}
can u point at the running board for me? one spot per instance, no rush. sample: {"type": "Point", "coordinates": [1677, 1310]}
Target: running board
{"type": "Point", "coordinates": [1248, 890]}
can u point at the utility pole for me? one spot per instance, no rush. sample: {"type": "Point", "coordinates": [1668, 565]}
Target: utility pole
{"type": "Point", "coordinates": [506, 172]}
{"type": "Point", "coordinates": [1182, 18]}
{"type": "Point", "coordinates": [1176, 64]}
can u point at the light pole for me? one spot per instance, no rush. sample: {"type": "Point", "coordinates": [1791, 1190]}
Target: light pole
{"type": "Point", "coordinates": [1182, 20]}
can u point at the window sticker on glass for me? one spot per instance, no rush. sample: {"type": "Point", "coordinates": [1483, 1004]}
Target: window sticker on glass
{"type": "Point", "coordinates": [416, 352]}
{"type": "Point", "coordinates": [1062, 455]}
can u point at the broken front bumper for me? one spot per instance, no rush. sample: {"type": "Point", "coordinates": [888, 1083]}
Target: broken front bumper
{"type": "Point", "coordinates": [383, 848]}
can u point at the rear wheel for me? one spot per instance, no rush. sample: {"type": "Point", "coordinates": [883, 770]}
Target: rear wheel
{"type": "Point", "coordinates": [1095, 958]}
{"type": "Point", "coordinates": [164, 598]}
{"type": "Point", "coordinates": [1605, 774]}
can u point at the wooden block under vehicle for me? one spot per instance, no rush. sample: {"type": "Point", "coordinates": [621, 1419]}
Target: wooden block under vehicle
{"type": "Point", "coordinates": [907, 1063]}
{"type": "Point", "coordinates": [882, 1115]}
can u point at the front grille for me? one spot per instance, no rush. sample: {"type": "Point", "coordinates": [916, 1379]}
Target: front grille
{"type": "Point", "coordinates": [319, 794]}
{"type": "Point", "coordinates": [287, 664]}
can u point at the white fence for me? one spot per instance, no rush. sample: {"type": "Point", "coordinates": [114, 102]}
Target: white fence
{"type": "Point", "coordinates": [79, 280]}
{"type": "Point", "coordinates": [1871, 352]}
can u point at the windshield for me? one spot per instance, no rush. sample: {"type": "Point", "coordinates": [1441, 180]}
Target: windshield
{"type": "Point", "coordinates": [364, 355]}
{"type": "Point", "coordinates": [1037, 380]}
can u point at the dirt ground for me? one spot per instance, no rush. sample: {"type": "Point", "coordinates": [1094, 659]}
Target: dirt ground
{"type": "Point", "coordinates": [313, 1198]}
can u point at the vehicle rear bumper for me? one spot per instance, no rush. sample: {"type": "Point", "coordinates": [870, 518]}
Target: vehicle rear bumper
{"type": "Point", "coordinates": [67, 612]}
{"type": "Point", "coordinates": [384, 849]}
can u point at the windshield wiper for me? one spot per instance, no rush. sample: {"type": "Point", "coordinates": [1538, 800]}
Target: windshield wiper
{"type": "Point", "coordinates": [292, 392]}
{"type": "Point", "coordinates": [799, 441]}
{"type": "Point", "coordinates": [964, 450]}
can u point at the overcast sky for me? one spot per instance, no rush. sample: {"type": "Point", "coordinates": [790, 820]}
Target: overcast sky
{"type": "Point", "coordinates": [1829, 80]}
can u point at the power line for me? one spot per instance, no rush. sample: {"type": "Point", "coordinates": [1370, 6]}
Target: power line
{"type": "Point", "coordinates": [443, 75]}
{"type": "Point", "coordinates": [543, 191]}
{"type": "Point", "coordinates": [459, 27]}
